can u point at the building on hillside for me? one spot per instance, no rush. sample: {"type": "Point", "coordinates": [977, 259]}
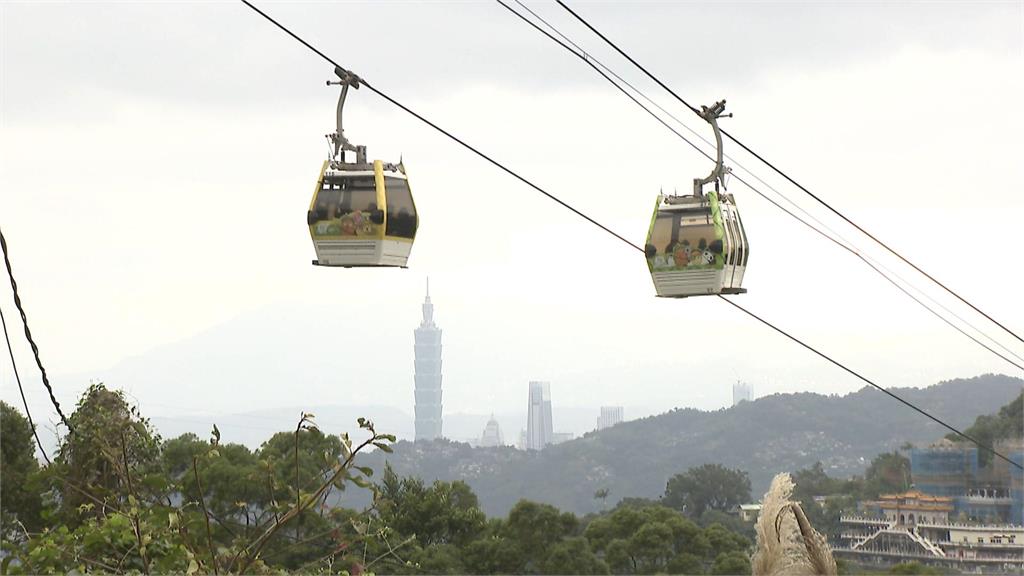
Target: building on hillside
{"type": "Point", "coordinates": [878, 541]}
{"type": "Point", "coordinates": [749, 512]}
{"type": "Point", "coordinates": [492, 434]}
{"type": "Point", "coordinates": [741, 391]}
{"type": "Point", "coordinates": [610, 416]}
{"type": "Point", "coordinates": [559, 437]}
{"type": "Point", "coordinates": [982, 494]}
{"type": "Point", "coordinates": [911, 507]}
{"type": "Point", "coordinates": [944, 469]}
{"type": "Point", "coordinates": [428, 374]}
{"type": "Point", "coordinates": [539, 427]}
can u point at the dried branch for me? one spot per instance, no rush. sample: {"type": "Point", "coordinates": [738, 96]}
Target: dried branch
{"type": "Point", "coordinates": [134, 516]}
{"type": "Point", "coordinates": [206, 515]}
{"type": "Point", "coordinates": [338, 470]}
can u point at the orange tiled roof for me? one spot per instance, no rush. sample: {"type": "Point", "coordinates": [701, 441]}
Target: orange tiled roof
{"type": "Point", "coordinates": [916, 495]}
{"type": "Point", "coordinates": [922, 507]}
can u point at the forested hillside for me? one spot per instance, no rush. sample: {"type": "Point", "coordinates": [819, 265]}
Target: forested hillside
{"type": "Point", "coordinates": [783, 432]}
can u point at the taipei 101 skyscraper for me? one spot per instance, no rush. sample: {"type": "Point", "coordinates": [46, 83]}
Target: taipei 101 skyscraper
{"type": "Point", "coordinates": [428, 374]}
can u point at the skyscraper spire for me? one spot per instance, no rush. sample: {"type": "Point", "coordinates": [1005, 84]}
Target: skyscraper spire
{"type": "Point", "coordinates": [428, 308]}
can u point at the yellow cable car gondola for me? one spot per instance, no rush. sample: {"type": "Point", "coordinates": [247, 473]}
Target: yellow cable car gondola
{"type": "Point", "coordinates": [362, 213]}
{"type": "Point", "coordinates": [696, 244]}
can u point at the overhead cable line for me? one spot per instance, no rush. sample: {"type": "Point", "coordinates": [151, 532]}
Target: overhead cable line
{"type": "Point", "coordinates": [632, 245]}
{"type": "Point", "coordinates": [787, 177]}
{"type": "Point", "coordinates": [864, 379]}
{"type": "Point", "coordinates": [604, 71]}
{"type": "Point", "coordinates": [17, 378]}
{"type": "Point", "coordinates": [28, 334]}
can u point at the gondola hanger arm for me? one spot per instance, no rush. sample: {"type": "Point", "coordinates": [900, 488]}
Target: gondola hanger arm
{"type": "Point", "coordinates": [338, 141]}
{"type": "Point", "coordinates": [711, 115]}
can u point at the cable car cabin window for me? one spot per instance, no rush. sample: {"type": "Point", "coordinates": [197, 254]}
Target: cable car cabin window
{"type": "Point", "coordinates": [743, 234]}
{"type": "Point", "coordinates": [660, 241]}
{"type": "Point", "coordinates": [697, 245]}
{"type": "Point", "coordinates": [684, 240]}
{"type": "Point", "coordinates": [401, 211]}
{"type": "Point", "coordinates": [736, 253]}
{"type": "Point", "coordinates": [344, 207]}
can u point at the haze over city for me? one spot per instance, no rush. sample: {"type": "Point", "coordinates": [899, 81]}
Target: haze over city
{"type": "Point", "coordinates": [152, 198]}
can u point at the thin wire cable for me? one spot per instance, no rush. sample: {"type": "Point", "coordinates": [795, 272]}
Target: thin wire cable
{"type": "Point", "coordinates": [862, 378]}
{"type": "Point", "coordinates": [787, 177]}
{"type": "Point", "coordinates": [17, 378]}
{"type": "Point", "coordinates": [28, 334]}
{"type": "Point", "coordinates": [636, 247]}
{"type": "Point", "coordinates": [601, 69]}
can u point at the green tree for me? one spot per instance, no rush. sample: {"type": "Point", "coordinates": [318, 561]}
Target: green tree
{"type": "Point", "coordinates": [731, 563]}
{"type": "Point", "coordinates": [686, 563]}
{"type": "Point", "coordinates": [297, 461]}
{"type": "Point", "coordinates": [437, 559]}
{"type": "Point", "coordinates": [990, 429]}
{"type": "Point", "coordinates": [142, 513]}
{"type": "Point", "coordinates": [812, 482]}
{"type": "Point", "coordinates": [888, 473]}
{"type": "Point", "coordinates": [109, 543]}
{"type": "Point", "coordinates": [536, 527]}
{"type": "Point", "coordinates": [711, 486]}
{"type": "Point", "coordinates": [731, 521]}
{"type": "Point", "coordinates": [231, 482]}
{"type": "Point", "coordinates": [113, 451]}
{"type": "Point", "coordinates": [494, 555]}
{"type": "Point", "coordinates": [442, 513]}
{"type": "Point", "coordinates": [618, 557]}
{"type": "Point", "coordinates": [620, 524]}
{"type": "Point", "coordinates": [651, 547]}
{"type": "Point", "coordinates": [652, 539]}
{"type": "Point", "coordinates": [19, 491]}
{"type": "Point", "coordinates": [572, 556]}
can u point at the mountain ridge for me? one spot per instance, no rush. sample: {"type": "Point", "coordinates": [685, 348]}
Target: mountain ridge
{"type": "Point", "coordinates": [776, 433]}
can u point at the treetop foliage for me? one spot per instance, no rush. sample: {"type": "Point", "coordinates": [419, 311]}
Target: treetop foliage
{"type": "Point", "coordinates": [119, 499]}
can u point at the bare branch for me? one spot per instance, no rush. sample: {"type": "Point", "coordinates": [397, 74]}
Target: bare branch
{"type": "Point", "coordinates": [206, 515]}
{"type": "Point", "coordinates": [338, 470]}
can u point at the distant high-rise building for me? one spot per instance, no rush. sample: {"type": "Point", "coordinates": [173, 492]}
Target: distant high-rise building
{"type": "Point", "coordinates": [539, 431]}
{"type": "Point", "coordinates": [428, 374]}
{"type": "Point", "coordinates": [610, 416]}
{"type": "Point", "coordinates": [741, 391]}
{"type": "Point", "coordinates": [492, 434]}
{"type": "Point", "coordinates": [559, 437]}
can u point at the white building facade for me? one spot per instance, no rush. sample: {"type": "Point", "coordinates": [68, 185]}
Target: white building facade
{"type": "Point", "coordinates": [610, 416]}
{"type": "Point", "coordinates": [741, 391]}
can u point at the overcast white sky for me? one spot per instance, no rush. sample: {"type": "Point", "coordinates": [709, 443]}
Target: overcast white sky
{"type": "Point", "coordinates": [156, 161]}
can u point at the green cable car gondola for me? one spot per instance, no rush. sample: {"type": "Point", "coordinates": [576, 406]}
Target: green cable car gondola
{"type": "Point", "coordinates": [696, 244]}
{"type": "Point", "coordinates": [362, 213]}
